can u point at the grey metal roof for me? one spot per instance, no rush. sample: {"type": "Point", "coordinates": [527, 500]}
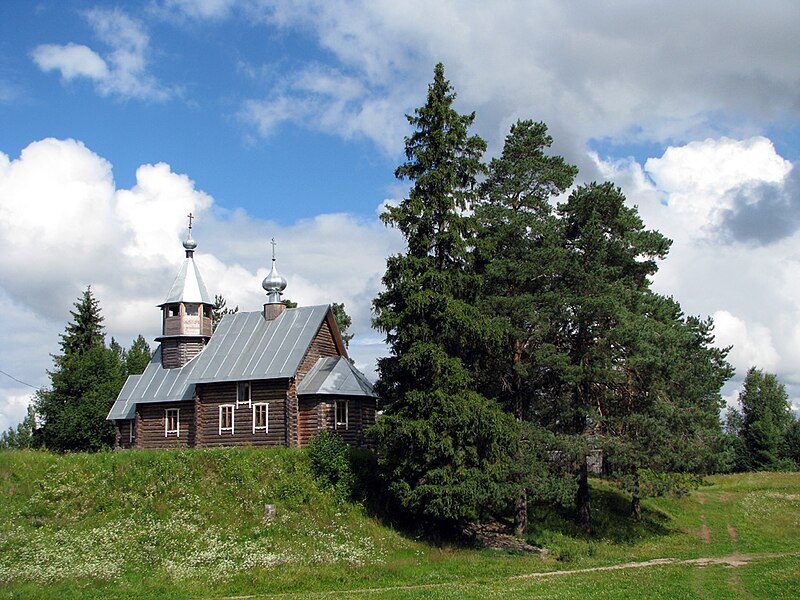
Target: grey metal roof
{"type": "Point", "coordinates": [245, 346]}
{"type": "Point", "coordinates": [335, 375]}
{"type": "Point", "coordinates": [188, 286]}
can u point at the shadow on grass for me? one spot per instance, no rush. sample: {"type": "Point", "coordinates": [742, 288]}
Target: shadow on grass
{"type": "Point", "coordinates": [611, 513]}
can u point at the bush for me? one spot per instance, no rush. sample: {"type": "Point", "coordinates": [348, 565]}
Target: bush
{"type": "Point", "coordinates": [330, 463]}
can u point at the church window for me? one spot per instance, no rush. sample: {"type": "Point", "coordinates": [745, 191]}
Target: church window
{"type": "Point", "coordinates": [172, 422]}
{"type": "Point", "coordinates": [191, 309]}
{"type": "Point", "coordinates": [261, 417]}
{"type": "Point", "coordinates": [243, 393]}
{"type": "Point", "coordinates": [341, 414]}
{"type": "Point", "coordinates": [226, 419]}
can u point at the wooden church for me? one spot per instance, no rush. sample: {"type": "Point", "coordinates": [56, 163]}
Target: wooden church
{"type": "Point", "coordinates": [275, 377]}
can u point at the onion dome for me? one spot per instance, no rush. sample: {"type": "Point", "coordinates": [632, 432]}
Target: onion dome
{"type": "Point", "coordinates": [273, 283]}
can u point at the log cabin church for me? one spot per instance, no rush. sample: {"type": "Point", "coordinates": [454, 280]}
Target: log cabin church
{"type": "Point", "coordinates": [275, 377]}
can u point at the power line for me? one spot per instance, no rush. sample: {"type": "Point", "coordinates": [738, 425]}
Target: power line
{"type": "Point", "coordinates": [18, 380]}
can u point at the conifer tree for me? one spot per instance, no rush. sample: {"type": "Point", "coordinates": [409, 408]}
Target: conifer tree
{"type": "Point", "coordinates": [86, 379]}
{"type": "Point", "coordinates": [442, 446]}
{"type": "Point", "coordinates": [522, 258]}
{"type": "Point", "coordinates": [766, 418]}
{"type": "Point", "coordinates": [138, 356]}
{"type": "Point", "coordinates": [610, 257]}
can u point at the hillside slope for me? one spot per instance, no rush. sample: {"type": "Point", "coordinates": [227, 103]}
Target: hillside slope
{"type": "Point", "coordinates": [190, 523]}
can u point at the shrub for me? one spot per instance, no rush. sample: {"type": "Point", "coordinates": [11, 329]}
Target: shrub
{"type": "Point", "coordinates": [330, 463]}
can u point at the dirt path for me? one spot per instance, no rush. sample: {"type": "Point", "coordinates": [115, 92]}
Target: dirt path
{"type": "Point", "coordinates": [732, 560]}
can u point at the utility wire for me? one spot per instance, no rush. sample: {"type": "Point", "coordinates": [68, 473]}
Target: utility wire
{"type": "Point", "coordinates": [18, 380]}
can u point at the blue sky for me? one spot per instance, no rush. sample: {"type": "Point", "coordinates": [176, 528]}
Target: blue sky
{"type": "Point", "coordinates": [285, 119]}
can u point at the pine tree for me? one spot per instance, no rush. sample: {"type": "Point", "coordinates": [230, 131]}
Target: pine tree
{"type": "Point", "coordinates": [220, 309]}
{"type": "Point", "coordinates": [522, 255]}
{"type": "Point", "coordinates": [442, 446]}
{"type": "Point", "coordinates": [610, 257]}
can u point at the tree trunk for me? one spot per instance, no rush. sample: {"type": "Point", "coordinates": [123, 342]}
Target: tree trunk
{"type": "Point", "coordinates": [521, 514]}
{"type": "Point", "coordinates": [582, 499]}
{"type": "Point", "coordinates": [636, 503]}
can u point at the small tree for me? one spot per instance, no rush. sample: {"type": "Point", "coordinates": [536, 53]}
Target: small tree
{"type": "Point", "coordinates": [766, 418]}
{"type": "Point", "coordinates": [21, 436]}
{"type": "Point", "coordinates": [220, 309]}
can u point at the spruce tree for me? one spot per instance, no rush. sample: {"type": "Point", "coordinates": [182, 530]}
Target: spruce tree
{"type": "Point", "coordinates": [137, 356]}
{"type": "Point", "coordinates": [442, 446]}
{"type": "Point", "coordinates": [766, 418]}
{"type": "Point", "coordinates": [84, 383]}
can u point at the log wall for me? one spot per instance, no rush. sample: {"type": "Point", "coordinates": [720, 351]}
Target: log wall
{"type": "Point", "coordinates": [123, 433]}
{"type": "Point", "coordinates": [150, 425]}
{"type": "Point", "coordinates": [212, 395]}
{"type": "Point", "coordinates": [318, 414]}
{"type": "Point", "coordinates": [177, 352]}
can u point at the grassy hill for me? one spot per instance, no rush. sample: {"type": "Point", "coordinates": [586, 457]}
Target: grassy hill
{"type": "Point", "coordinates": [187, 524]}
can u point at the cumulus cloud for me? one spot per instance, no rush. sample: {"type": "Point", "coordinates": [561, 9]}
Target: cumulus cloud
{"type": "Point", "coordinates": [65, 225]}
{"type": "Point", "coordinates": [763, 212]}
{"type": "Point", "coordinates": [698, 194]}
{"type": "Point", "coordinates": [122, 72]}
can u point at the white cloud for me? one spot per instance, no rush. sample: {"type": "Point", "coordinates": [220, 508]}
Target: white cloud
{"type": "Point", "coordinates": [65, 226]}
{"type": "Point", "coordinates": [71, 60]}
{"type": "Point", "coordinates": [122, 72]}
{"type": "Point", "coordinates": [600, 71]}
{"type": "Point", "coordinates": [751, 290]}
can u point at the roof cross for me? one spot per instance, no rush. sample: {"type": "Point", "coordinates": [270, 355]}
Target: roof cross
{"type": "Point", "coordinates": [273, 248]}
{"type": "Point", "coordinates": [190, 219]}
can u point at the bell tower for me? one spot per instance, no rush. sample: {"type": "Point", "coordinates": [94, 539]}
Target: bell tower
{"type": "Point", "coordinates": [186, 313]}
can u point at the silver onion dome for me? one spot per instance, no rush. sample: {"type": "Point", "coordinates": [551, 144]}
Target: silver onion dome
{"type": "Point", "coordinates": [273, 283]}
{"type": "Point", "coordinates": [189, 243]}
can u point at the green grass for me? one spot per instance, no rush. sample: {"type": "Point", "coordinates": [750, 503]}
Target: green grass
{"type": "Point", "coordinates": [189, 524]}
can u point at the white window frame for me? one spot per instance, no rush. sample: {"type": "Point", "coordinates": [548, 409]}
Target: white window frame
{"type": "Point", "coordinates": [240, 385]}
{"type": "Point", "coordinates": [177, 431]}
{"type": "Point", "coordinates": [341, 424]}
{"type": "Point", "coordinates": [132, 432]}
{"type": "Point", "coordinates": [265, 426]}
{"type": "Point", "coordinates": [232, 428]}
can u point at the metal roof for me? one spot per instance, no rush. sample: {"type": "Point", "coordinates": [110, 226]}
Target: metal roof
{"type": "Point", "coordinates": [188, 286]}
{"type": "Point", "coordinates": [335, 375]}
{"type": "Point", "coordinates": [244, 347]}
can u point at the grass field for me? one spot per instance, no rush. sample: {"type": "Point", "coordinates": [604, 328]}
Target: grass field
{"type": "Point", "coordinates": [189, 524]}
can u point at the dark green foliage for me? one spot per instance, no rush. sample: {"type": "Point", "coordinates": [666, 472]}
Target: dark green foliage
{"type": "Point", "coordinates": [330, 463]}
{"type": "Point", "coordinates": [74, 409]}
{"type": "Point", "coordinates": [220, 309]}
{"type": "Point", "coordinates": [137, 357]}
{"type": "Point", "coordinates": [343, 322]}
{"type": "Point", "coordinates": [21, 436]}
{"type": "Point", "coordinates": [84, 383]}
{"type": "Point", "coordinates": [86, 329]}
{"type": "Point", "coordinates": [766, 419]}
{"type": "Point", "coordinates": [442, 446]}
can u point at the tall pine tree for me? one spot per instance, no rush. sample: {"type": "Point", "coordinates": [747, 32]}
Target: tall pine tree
{"type": "Point", "coordinates": [522, 258]}
{"type": "Point", "coordinates": [610, 257]}
{"type": "Point", "coordinates": [442, 446]}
